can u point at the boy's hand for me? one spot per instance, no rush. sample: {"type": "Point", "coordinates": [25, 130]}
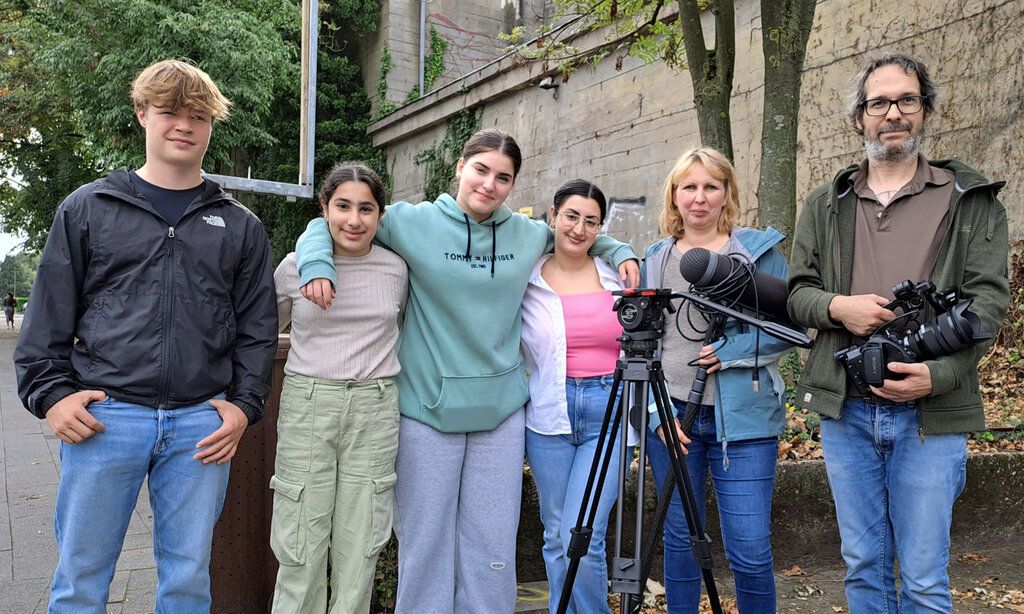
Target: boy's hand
{"type": "Point", "coordinates": [222, 444]}
{"type": "Point", "coordinates": [71, 421]}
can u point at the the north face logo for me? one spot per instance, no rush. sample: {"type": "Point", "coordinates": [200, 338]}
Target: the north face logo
{"type": "Point", "coordinates": [214, 220]}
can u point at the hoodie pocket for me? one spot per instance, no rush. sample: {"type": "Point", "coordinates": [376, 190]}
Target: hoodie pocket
{"type": "Point", "coordinates": [472, 401]}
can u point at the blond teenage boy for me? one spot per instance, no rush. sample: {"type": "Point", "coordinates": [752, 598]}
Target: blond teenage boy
{"type": "Point", "coordinates": [147, 349]}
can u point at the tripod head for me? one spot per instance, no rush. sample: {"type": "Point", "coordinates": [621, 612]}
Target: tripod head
{"type": "Point", "coordinates": [641, 312]}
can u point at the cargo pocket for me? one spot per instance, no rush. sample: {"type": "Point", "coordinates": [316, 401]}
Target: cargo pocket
{"type": "Point", "coordinates": [463, 398]}
{"type": "Point", "coordinates": [382, 510]}
{"type": "Point", "coordinates": [288, 528]}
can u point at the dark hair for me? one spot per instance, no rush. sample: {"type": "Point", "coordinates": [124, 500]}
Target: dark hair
{"type": "Point", "coordinates": [493, 139]}
{"type": "Point", "coordinates": [581, 187]}
{"type": "Point", "coordinates": [909, 65]}
{"type": "Point", "coordinates": [344, 172]}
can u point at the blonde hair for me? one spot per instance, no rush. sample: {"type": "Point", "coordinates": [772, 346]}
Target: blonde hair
{"type": "Point", "coordinates": [177, 84]}
{"type": "Point", "coordinates": [718, 166]}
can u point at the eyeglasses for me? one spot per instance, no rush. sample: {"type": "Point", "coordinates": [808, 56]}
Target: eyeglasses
{"type": "Point", "coordinates": [877, 107]}
{"type": "Point", "coordinates": [571, 218]}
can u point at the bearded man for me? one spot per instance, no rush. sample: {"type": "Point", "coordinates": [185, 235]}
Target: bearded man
{"type": "Point", "coordinates": [896, 454]}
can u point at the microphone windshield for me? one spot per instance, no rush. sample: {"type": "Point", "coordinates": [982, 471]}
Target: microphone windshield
{"type": "Point", "coordinates": [707, 270]}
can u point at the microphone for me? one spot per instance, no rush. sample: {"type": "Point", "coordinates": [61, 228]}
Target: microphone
{"type": "Point", "coordinates": [723, 278]}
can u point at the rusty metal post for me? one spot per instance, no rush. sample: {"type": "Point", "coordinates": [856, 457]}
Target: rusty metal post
{"type": "Point", "coordinates": [242, 566]}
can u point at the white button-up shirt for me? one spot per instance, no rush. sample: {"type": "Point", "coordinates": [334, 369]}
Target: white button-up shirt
{"type": "Point", "coordinates": [544, 349]}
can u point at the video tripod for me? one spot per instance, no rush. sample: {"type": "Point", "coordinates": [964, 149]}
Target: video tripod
{"type": "Point", "coordinates": [639, 371]}
{"type": "Point", "coordinates": [641, 313]}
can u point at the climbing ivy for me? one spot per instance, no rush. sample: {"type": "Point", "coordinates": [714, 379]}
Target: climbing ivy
{"type": "Point", "coordinates": [440, 160]}
{"type": "Point", "coordinates": [433, 64]}
{"type": "Point", "coordinates": [384, 106]}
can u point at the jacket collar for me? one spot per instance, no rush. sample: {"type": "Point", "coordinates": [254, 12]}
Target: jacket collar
{"type": "Point", "coordinates": [119, 185]}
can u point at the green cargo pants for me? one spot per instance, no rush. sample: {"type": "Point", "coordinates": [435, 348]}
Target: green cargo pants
{"type": "Point", "coordinates": [333, 484]}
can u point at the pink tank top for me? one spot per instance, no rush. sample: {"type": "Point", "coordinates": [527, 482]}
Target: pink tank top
{"type": "Point", "coordinates": [591, 329]}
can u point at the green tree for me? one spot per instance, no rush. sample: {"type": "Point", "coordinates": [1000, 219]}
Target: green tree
{"type": "Point", "coordinates": [639, 27]}
{"type": "Point", "coordinates": [66, 117]}
{"type": "Point", "coordinates": [17, 272]}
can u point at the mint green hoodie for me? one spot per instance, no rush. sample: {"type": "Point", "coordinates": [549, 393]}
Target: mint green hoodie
{"type": "Point", "coordinates": [459, 346]}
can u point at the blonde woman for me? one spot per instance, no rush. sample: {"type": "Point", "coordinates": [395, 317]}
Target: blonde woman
{"type": "Point", "coordinates": [735, 433]}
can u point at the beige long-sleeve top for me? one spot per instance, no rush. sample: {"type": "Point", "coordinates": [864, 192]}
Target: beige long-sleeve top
{"type": "Point", "coordinates": [357, 338]}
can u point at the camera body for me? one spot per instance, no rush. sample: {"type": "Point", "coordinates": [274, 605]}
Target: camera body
{"type": "Point", "coordinates": [953, 328]}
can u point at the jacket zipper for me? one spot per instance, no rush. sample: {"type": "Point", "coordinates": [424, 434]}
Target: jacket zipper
{"type": "Point", "coordinates": [165, 384]}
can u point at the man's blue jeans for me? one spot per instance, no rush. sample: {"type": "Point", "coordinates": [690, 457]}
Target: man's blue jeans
{"type": "Point", "coordinates": [99, 485]}
{"type": "Point", "coordinates": [743, 490]}
{"type": "Point", "coordinates": [894, 489]}
{"type": "Point", "coordinates": [560, 465]}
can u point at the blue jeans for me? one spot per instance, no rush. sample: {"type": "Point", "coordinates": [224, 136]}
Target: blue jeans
{"type": "Point", "coordinates": [894, 490]}
{"type": "Point", "coordinates": [744, 494]}
{"type": "Point", "coordinates": [99, 485]}
{"type": "Point", "coordinates": [560, 465]}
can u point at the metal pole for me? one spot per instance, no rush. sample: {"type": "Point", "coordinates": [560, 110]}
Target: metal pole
{"type": "Point", "coordinates": [423, 44]}
{"type": "Point", "coordinates": [307, 111]}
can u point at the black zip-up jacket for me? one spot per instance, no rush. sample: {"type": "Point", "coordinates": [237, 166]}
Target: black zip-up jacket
{"type": "Point", "coordinates": [158, 315]}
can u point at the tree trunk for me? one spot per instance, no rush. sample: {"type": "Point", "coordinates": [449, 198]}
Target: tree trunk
{"type": "Point", "coordinates": [711, 70]}
{"type": "Point", "coordinates": [786, 26]}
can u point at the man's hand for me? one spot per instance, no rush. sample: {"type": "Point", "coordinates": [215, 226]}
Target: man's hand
{"type": "Point", "coordinates": [71, 421]}
{"type": "Point", "coordinates": [679, 432]}
{"type": "Point", "coordinates": [916, 384]}
{"type": "Point", "coordinates": [221, 444]}
{"type": "Point", "coordinates": [860, 314]}
{"type": "Point", "coordinates": [629, 273]}
{"type": "Point", "coordinates": [320, 291]}
{"type": "Point", "coordinates": [709, 359]}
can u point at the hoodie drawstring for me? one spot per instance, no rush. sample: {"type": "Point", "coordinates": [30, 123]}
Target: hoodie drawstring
{"type": "Point", "coordinates": [494, 241]}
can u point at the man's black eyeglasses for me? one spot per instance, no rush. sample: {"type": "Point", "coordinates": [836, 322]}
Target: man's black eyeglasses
{"type": "Point", "coordinates": [877, 107]}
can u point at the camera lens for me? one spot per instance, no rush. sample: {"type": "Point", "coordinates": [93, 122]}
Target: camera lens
{"type": "Point", "coordinates": [948, 333]}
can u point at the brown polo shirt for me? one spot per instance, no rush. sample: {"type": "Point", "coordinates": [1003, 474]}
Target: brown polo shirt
{"type": "Point", "coordinates": [900, 240]}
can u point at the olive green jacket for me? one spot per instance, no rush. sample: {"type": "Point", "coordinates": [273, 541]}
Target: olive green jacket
{"type": "Point", "coordinates": [972, 256]}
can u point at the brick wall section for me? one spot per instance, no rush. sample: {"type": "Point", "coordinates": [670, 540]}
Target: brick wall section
{"type": "Point", "coordinates": [624, 128]}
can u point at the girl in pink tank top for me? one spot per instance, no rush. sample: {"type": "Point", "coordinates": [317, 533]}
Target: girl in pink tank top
{"type": "Point", "coordinates": [570, 346]}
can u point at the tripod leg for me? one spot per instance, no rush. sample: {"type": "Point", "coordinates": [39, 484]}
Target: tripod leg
{"type": "Point", "coordinates": [699, 541]}
{"type": "Point", "coordinates": [579, 543]}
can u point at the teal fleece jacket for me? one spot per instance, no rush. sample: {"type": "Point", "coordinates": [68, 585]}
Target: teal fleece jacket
{"type": "Point", "coordinates": [459, 346]}
{"type": "Point", "coordinates": [972, 257]}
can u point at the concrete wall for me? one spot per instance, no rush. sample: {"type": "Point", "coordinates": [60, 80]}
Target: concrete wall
{"type": "Point", "coordinates": [623, 127]}
{"type": "Point", "coordinates": [470, 27]}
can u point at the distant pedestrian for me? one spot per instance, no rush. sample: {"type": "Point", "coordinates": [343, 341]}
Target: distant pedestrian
{"type": "Point", "coordinates": [9, 304]}
{"type": "Point", "coordinates": [148, 349]}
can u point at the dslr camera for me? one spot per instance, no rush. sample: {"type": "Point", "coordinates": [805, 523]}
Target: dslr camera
{"type": "Point", "coordinates": [953, 328]}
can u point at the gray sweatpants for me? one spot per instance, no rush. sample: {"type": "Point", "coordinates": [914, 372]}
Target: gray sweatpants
{"type": "Point", "coordinates": [456, 517]}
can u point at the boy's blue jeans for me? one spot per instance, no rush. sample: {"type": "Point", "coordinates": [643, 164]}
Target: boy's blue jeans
{"type": "Point", "coordinates": [744, 495]}
{"type": "Point", "coordinates": [894, 489]}
{"type": "Point", "coordinates": [99, 485]}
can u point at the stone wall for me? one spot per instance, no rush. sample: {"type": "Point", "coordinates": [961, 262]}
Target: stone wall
{"type": "Point", "coordinates": [622, 123]}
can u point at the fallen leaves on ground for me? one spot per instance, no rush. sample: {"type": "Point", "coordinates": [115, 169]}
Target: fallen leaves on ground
{"type": "Point", "coordinates": [990, 593]}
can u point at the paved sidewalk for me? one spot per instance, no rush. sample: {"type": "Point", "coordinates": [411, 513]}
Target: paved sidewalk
{"type": "Point", "coordinates": [29, 472]}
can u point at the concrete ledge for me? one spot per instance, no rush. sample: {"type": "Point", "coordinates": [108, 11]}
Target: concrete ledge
{"type": "Point", "coordinates": [989, 512]}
